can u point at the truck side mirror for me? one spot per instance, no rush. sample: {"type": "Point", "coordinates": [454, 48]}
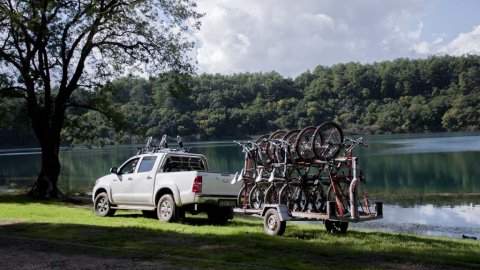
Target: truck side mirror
{"type": "Point", "coordinates": [113, 170]}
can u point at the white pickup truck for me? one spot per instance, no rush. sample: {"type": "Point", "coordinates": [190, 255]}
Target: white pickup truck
{"type": "Point", "coordinates": [165, 184]}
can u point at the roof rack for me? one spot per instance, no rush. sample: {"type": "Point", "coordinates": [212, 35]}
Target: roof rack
{"type": "Point", "coordinates": [150, 148]}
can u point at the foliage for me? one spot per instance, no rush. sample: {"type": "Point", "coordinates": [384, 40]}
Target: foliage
{"type": "Point", "coordinates": [55, 57]}
{"type": "Point", "coordinates": [399, 96]}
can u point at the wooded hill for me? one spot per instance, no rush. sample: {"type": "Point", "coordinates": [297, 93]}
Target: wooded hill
{"type": "Point", "coordinates": [400, 96]}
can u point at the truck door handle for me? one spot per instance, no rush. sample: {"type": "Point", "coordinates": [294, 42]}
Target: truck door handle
{"type": "Point", "coordinates": [130, 178]}
{"type": "Point", "coordinates": [149, 177]}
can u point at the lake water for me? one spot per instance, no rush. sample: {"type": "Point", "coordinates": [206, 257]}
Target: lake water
{"type": "Point", "coordinates": [430, 183]}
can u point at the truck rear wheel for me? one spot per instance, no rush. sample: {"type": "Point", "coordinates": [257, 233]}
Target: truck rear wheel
{"type": "Point", "coordinates": [166, 209]}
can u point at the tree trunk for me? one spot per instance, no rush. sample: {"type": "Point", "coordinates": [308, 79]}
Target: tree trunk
{"type": "Point", "coordinates": [46, 185]}
{"type": "Point", "coordinates": [47, 128]}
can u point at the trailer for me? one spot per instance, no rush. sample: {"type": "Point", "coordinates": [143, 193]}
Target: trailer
{"type": "Point", "coordinates": [304, 175]}
{"type": "Point", "coordinates": [275, 217]}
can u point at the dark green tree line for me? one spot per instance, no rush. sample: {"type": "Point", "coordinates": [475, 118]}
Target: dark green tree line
{"type": "Point", "coordinates": [399, 96]}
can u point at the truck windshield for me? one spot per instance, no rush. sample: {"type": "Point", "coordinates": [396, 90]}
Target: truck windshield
{"type": "Point", "coordinates": [180, 163]}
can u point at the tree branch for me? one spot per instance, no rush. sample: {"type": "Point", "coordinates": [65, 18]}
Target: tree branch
{"type": "Point", "coordinates": [13, 92]}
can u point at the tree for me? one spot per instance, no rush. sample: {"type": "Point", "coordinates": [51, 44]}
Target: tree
{"type": "Point", "coordinates": [50, 49]}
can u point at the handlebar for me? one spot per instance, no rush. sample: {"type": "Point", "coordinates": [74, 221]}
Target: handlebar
{"type": "Point", "coordinates": [354, 143]}
{"type": "Point", "coordinates": [244, 145]}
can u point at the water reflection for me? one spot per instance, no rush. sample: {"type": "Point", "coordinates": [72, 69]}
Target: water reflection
{"type": "Point", "coordinates": [392, 164]}
{"type": "Point", "coordinates": [463, 219]}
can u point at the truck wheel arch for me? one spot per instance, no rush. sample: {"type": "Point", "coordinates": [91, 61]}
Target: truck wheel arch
{"type": "Point", "coordinates": [100, 190]}
{"type": "Point", "coordinates": [168, 190]}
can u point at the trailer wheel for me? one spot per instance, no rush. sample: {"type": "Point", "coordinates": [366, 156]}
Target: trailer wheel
{"type": "Point", "coordinates": [336, 226]}
{"type": "Point", "coordinates": [272, 223]}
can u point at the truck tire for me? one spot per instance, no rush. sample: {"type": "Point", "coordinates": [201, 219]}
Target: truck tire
{"type": "Point", "coordinates": [102, 206]}
{"type": "Point", "coordinates": [166, 208]}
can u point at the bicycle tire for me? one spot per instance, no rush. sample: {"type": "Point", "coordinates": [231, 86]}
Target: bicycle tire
{"type": "Point", "coordinates": [299, 199]}
{"type": "Point", "coordinates": [343, 196]}
{"type": "Point", "coordinates": [242, 202]}
{"type": "Point", "coordinates": [318, 199]}
{"type": "Point", "coordinates": [271, 195]}
{"type": "Point", "coordinates": [291, 138]}
{"type": "Point", "coordinates": [256, 198]}
{"type": "Point", "coordinates": [303, 144]}
{"type": "Point", "coordinates": [262, 142]}
{"type": "Point", "coordinates": [327, 140]}
{"type": "Point", "coordinates": [271, 150]}
{"type": "Point", "coordinates": [285, 196]}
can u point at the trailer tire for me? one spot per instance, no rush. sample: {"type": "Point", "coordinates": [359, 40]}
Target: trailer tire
{"type": "Point", "coordinates": [272, 223]}
{"type": "Point", "coordinates": [336, 226]}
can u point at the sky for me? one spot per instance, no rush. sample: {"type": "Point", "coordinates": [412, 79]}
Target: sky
{"type": "Point", "coordinates": [293, 36]}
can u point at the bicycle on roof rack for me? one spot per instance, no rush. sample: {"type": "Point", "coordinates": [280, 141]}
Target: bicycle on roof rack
{"type": "Point", "coordinates": [304, 175]}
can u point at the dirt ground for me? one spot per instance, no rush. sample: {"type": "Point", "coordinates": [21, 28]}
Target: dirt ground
{"type": "Point", "coordinates": [27, 253]}
{"type": "Point", "coordinates": [24, 253]}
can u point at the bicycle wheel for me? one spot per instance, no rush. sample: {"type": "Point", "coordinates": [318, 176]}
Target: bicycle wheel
{"type": "Point", "coordinates": [271, 195]}
{"type": "Point", "coordinates": [303, 144]}
{"type": "Point", "coordinates": [327, 140]}
{"type": "Point", "coordinates": [285, 196]}
{"type": "Point", "coordinates": [262, 156]}
{"type": "Point", "coordinates": [242, 198]}
{"type": "Point", "coordinates": [256, 198]}
{"type": "Point", "coordinates": [299, 199]}
{"type": "Point", "coordinates": [338, 192]}
{"type": "Point", "coordinates": [290, 138]}
{"type": "Point", "coordinates": [271, 150]}
{"type": "Point", "coordinates": [318, 199]}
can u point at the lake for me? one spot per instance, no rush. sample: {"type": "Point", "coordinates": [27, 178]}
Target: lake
{"type": "Point", "coordinates": [430, 183]}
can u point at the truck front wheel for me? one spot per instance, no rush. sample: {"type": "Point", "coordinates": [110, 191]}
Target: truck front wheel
{"type": "Point", "coordinates": [102, 206]}
{"type": "Point", "coordinates": [167, 210]}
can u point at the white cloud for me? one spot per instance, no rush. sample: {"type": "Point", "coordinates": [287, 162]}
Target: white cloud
{"type": "Point", "coordinates": [464, 43]}
{"type": "Point", "coordinates": [293, 36]}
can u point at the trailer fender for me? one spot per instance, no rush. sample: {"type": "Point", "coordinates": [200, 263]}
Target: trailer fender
{"type": "Point", "coordinates": [281, 209]}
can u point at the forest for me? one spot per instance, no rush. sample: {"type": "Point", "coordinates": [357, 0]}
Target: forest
{"type": "Point", "coordinates": [440, 93]}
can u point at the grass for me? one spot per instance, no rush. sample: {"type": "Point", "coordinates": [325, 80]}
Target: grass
{"type": "Point", "coordinates": [240, 244]}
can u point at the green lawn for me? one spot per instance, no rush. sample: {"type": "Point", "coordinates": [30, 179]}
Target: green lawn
{"type": "Point", "coordinates": [240, 244]}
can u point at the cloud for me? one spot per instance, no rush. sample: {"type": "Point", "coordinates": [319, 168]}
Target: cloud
{"type": "Point", "coordinates": [464, 43]}
{"type": "Point", "coordinates": [293, 36]}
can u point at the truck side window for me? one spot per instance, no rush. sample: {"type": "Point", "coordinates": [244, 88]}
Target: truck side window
{"type": "Point", "coordinates": [181, 163]}
{"type": "Point", "coordinates": [147, 164]}
{"type": "Point", "coordinates": [129, 167]}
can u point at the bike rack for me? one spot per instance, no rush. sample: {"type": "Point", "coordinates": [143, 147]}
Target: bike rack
{"type": "Point", "coordinates": [339, 171]}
